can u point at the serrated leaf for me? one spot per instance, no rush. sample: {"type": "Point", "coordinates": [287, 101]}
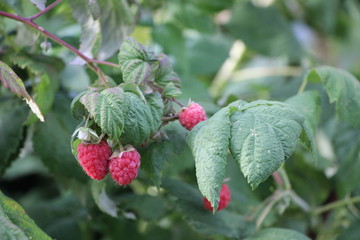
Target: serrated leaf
{"type": "Point", "coordinates": [102, 200]}
{"type": "Point", "coordinates": [343, 89]}
{"type": "Point", "coordinates": [209, 141]}
{"type": "Point", "coordinates": [165, 74]}
{"type": "Point", "coordinates": [89, 100]}
{"type": "Point", "coordinates": [132, 58]}
{"type": "Point", "coordinates": [277, 234]}
{"type": "Point", "coordinates": [15, 223]}
{"type": "Point", "coordinates": [109, 114]}
{"type": "Point", "coordinates": [171, 91]}
{"type": "Point", "coordinates": [263, 135]}
{"type": "Point", "coordinates": [309, 105]}
{"type": "Point", "coordinates": [141, 120]}
{"type": "Point", "coordinates": [9, 79]}
{"type": "Point", "coordinates": [12, 116]}
{"type": "Point", "coordinates": [44, 94]}
{"type": "Point", "coordinates": [116, 21]}
{"type": "Point", "coordinates": [131, 87]}
{"type": "Point", "coordinates": [77, 108]}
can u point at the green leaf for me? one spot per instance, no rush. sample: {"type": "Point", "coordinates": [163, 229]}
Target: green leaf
{"type": "Point", "coordinates": [132, 58]}
{"type": "Point", "coordinates": [38, 63]}
{"type": "Point", "coordinates": [89, 100]}
{"type": "Point", "coordinates": [102, 200]}
{"type": "Point", "coordinates": [343, 89]}
{"type": "Point", "coordinates": [116, 21]}
{"type": "Point", "coordinates": [44, 94]}
{"type": "Point", "coordinates": [141, 120]}
{"type": "Point", "coordinates": [9, 79]}
{"type": "Point", "coordinates": [209, 141]}
{"type": "Point", "coordinates": [15, 223]}
{"type": "Point", "coordinates": [131, 87]}
{"type": "Point", "coordinates": [277, 234]}
{"type": "Point", "coordinates": [12, 116]}
{"type": "Point", "coordinates": [263, 135]}
{"type": "Point", "coordinates": [109, 113]}
{"type": "Point", "coordinates": [309, 105]}
{"type": "Point", "coordinates": [165, 73]}
{"type": "Point", "coordinates": [40, 4]}
{"type": "Point", "coordinates": [171, 91]}
{"type": "Point", "coordinates": [77, 108]}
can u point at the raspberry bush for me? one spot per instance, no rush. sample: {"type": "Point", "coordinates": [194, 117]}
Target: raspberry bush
{"type": "Point", "coordinates": [179, 119]}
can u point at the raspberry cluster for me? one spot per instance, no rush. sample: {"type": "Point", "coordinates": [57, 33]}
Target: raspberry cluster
{"type": "Point", "coordinates": [225, 197]}
{"type": "Point", "coordinates": [192, 115]}
{"type": "Point", "coordinates": [96, 161]}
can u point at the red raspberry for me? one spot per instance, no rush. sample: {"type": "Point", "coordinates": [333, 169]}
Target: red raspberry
{"type": "Point", "coordinates": [124, 168]}
{"type": "Point", "coordinates": [225, 197]}
{"type": "Point", "coordinates": [94, 158]}
{"type": "Point", "coordinates": [192, 115]}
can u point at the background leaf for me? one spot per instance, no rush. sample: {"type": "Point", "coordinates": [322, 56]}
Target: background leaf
{"type": "Point", "coordinates": [277, 234]}
{"type": "Point", "coordinates": [342, 88]}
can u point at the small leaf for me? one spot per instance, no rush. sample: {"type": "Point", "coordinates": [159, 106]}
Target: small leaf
{"type": "Point", "coordinates": [263, 135]}
{"type": "Point", "coordinates": [343, 89]}
{"type": "Point", "coordinates": [89, 100]}
{"type": "Point", "coordinates": [102, 200]}
{"type": "Point", "coordinates": [132, 58]}
{"type": "Point", "coordinates": [209, 141]}
{"type": "Point", "coordinates": [77, 108]}
{"type": "Point", "coordinates": [309, 105]}
{"type": "Point", "coordinates": [9, 79]}
{"type": "Point", "coordinates": [171, 91]}
{"type": "Point", "coordinates": [131, 87]}
{"type": "Point", "coordinates": [156, 107]}
{"type": "Point", "coordinates": [109, 113]}
{"type": "Point", "coordinates": [165, 73]}
{"type": "Point", "coordinates": [15, 223]}
{"type": "Point", "coordinates": [277, 234]}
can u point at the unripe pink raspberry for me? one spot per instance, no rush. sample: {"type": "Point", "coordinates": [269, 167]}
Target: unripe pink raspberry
{"type": "Point", "coordinates": [225, 197]}
{"type": "Point", "coordinates": [94, 158]}
{"type": "Point", "coordinates": [124, 167]}
{"type": "Point", "coordinates": [192, 115]}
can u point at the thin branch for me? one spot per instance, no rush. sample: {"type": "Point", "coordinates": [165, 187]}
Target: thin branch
{"type": "Point", "coordinates": [336, 204]}
{"type": "Point", "coordinates": [45, 10]}
{"type": "Point", "coordinates": [91, 62]}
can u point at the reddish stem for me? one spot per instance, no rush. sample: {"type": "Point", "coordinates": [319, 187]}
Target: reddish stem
{"type": "Point", "coordinates": [45, 10]}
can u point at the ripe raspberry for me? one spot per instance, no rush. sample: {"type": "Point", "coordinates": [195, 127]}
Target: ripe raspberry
{"type": "Point", "coordinates": [94, 158]}
{"type": "Point", "coordinates": [124, 168]}
{"type": "Point", "coordinates": [225, 197]}
{"type": "Point", "coordinates": [192, 115]}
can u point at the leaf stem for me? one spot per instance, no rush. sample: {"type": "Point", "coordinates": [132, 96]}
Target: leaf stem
{"type": "Point", "coordinates": [284, 177]}
{"type": "Point", "coordinates": [177, 102]}
{"type": "Point", "coordinates": [45, 10]}
{"type": "Point", "coordinates": [336, 204]}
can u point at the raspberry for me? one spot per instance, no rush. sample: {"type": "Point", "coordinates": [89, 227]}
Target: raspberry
{"type": "Point", "coordinates": [94, 158]}
{"type": "Point", "coordinates": [192, 115]}
{"type": "Point", "coordinates": [225, 197]}
{"type": "Point", "coordinates": [124, 168]}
